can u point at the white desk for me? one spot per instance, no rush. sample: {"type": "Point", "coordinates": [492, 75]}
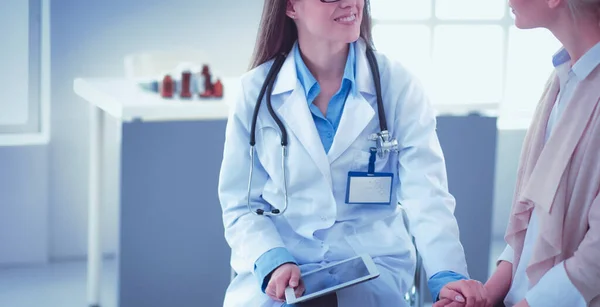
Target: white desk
{"type": "Point", "coordinates": [124, 100]}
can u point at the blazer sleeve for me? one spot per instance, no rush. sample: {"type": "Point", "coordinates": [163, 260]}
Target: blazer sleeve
{"type": "Point", "coordinates": [583, 268]}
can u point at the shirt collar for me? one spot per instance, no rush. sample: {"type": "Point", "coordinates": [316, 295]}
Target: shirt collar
{"type": "Point", "coordinates": [307, 79]}
{"type": "Point", "coordinates": [584, 66]}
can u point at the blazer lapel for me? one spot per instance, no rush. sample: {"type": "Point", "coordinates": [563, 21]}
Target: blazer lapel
{"type": "Point", "coordinates": [556, 154]}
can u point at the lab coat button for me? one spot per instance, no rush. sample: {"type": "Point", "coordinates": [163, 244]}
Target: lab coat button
{"type": "Point", "coordinates": [323, 219]}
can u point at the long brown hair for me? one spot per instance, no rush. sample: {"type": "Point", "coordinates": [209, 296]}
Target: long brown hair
{"type": "Point", "coordinates": [278, 33]}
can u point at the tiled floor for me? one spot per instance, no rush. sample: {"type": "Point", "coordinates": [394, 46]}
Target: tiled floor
{"type": "Point", "coordinates": [64, 284]}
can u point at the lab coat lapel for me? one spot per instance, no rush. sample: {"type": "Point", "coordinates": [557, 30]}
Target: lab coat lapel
{"type": "Point", "coordinates": [293, 110]}
{"type": "Point", "coordinates": [358, 112]}
{"type": "Point", "coordinates": [364, 76]}
{"type": "Point", "coordinates": [356, 116]}
{"type": "Point", "coordinates": [556, 154]}
{"type": "Point", "coordinates": [295, 113]}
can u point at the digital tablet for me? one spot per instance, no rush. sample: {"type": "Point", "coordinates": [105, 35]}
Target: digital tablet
{"type": "Point", "coordinates": [334, 277]}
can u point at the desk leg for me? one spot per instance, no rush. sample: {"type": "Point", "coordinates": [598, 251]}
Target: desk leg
{"type": "Point", "coordinates": [95, 188]}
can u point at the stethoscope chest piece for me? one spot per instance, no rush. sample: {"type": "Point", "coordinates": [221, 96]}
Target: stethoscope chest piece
{"type": "Point", "coordinates": [384, 142]}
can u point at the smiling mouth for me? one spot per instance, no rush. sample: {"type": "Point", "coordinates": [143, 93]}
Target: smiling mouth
{"type": "Point", "coordinates": [347, 19]}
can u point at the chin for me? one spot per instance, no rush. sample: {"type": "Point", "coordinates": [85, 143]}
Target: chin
{"type": "Point", "coordinates": [523, 25]}
{"type": "Point", "coordinates": [351, 37]}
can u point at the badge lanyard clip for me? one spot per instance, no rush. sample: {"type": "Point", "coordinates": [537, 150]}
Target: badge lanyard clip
{"type": "Point", "coordinates": [372, 159]}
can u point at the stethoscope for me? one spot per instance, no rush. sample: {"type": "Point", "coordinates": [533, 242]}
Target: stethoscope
{"type": "Point", "coordinates": [384, 141]}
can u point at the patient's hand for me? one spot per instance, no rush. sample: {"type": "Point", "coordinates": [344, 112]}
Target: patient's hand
{"type": "Point", "coordinates": [448, 303]}
{"type": "Point", "coordinates": [286, 275]}
{"type": "Point", "coordinates": [469, 293]}
{"type": "Point", "coordinates": [499, 284]}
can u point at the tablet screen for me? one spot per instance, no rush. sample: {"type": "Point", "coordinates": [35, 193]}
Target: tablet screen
{"type": "Point", "coordinates": [334, 275]}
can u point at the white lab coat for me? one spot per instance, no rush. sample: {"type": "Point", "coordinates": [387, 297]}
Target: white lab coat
{"type": "Point", "coordinates": [318, 226]}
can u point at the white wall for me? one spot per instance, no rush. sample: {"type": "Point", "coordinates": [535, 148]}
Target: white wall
{"type": "Point", "coordinates": [90, 39]}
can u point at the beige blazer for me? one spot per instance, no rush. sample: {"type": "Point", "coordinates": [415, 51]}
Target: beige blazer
{"type": "Point", "coordinates": [562, 180]}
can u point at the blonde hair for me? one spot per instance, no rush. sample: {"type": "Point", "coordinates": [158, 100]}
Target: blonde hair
{"type": "Point", "coordinates": [579, 6]}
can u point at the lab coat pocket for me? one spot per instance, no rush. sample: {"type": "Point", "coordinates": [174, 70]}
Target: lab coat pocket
{"type": "Point", "coordinates": [383, 237]}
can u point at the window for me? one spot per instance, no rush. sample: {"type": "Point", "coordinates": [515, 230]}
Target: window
{"type": "Point", "coordinates": [468, 54]}
{"type": "Point", "coordinates": [24, 31]}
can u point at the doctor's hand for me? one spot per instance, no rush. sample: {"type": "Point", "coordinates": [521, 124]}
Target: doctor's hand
{"type": "Point", "coordinates": [286, 275]}
{"type": "Point", "coordinates": [445, 302]}
{"type": "Point", "coordinates": [468, 293]}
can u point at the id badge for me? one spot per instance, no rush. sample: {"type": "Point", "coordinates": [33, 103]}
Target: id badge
{"type": "Point", "coordinates": [369, 187]}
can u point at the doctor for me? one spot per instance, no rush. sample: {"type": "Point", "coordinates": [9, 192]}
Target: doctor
{"type": "Point", "coordinates": [323, 106]}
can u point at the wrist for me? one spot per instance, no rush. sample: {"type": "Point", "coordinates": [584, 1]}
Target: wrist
{"type": "Point", "coordinates": [498, 285]}
{"type": "Point", "coordinates": [494, 295]}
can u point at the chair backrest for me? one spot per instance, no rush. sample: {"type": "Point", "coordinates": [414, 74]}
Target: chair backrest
{"type": "Point", "coordinates": [152, 64]}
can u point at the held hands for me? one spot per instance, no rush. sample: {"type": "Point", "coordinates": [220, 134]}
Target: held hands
{"type": "Point", "coordinates": [464, 293]}
{"type": "Point", "coordinates": [522, 303]}
{"type": "Point", "coordinates": [286, 275]}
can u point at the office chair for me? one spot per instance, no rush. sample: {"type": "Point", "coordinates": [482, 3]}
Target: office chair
{"type": "Point", "coordinates": [414, 296]}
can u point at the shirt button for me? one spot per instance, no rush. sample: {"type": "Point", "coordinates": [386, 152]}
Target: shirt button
{"type": "Point", "coordinates": [329, 134]}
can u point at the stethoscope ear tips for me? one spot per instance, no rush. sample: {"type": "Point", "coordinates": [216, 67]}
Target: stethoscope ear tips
{"type": "Point", "coordinates": [260, 211]}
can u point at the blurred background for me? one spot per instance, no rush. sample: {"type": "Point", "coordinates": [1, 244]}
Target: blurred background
{"type": "Point", "coordinates": [159, 231]}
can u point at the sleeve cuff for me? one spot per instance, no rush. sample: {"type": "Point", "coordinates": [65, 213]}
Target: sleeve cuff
{"type": "Point", "coordinates": [268, 262]}
{"type": "Point", "coordinates": [439, 280]}
{"type": "Point", "coordinates": [555, 289]}
{"type": "Point", "coordinates": [507, 255]}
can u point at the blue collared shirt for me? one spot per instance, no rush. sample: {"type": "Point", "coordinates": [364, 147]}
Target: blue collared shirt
{"type": "Point", "coordinates": [327, 125]}
{"type": "Point", "coordinates": [569, 78]}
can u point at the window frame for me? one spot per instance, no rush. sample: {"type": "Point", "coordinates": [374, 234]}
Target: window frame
{"type": "Point", "coordinates": [506, 22]}
{"type": "Point", "coordinates": [37, 129]}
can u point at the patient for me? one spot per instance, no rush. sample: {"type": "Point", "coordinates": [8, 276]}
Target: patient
{"type": "Point", "coordinates": [553, 234]}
